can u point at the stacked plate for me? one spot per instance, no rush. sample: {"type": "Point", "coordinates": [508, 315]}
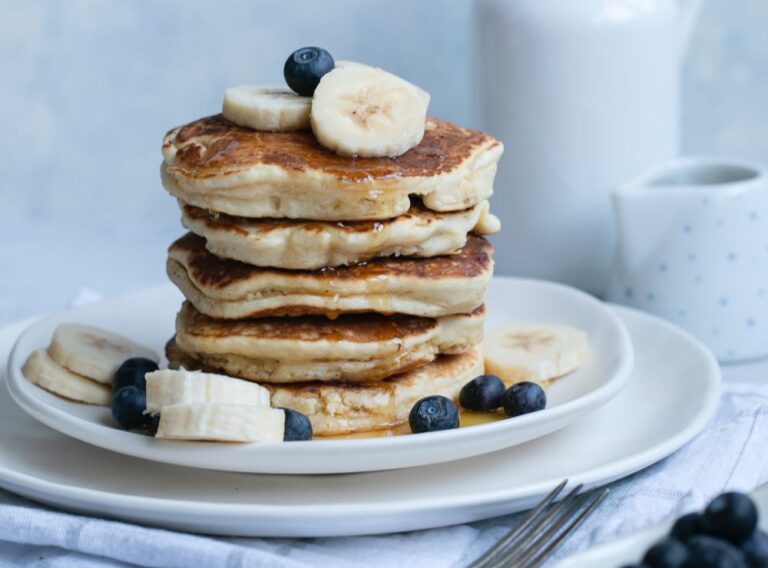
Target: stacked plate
{"type": "Point", "coordinates": [602, 422]}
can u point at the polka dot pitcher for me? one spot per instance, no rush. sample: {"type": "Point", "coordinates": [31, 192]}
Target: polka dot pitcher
{"type": "Point", "coordinates": [693, 248]}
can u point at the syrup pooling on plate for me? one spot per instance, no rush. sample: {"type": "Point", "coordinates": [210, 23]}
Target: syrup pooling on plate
{"type": "Point", "coordinates": [467, 418]}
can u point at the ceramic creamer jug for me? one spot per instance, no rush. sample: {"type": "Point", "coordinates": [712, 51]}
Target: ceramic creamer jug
{"type": "Point", "coordinates": [693, 248]}
{"type": "Point", "coordinates": [583, 93]}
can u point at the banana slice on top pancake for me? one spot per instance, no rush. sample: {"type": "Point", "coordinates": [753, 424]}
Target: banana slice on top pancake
{"type": "Point", "coordinates": [364, 111]}
{"type": "Point", "coordinates": [266, 108]}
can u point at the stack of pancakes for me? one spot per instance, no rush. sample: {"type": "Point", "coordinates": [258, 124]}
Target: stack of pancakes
{"type": "Point", "coordinates": [349, 287]}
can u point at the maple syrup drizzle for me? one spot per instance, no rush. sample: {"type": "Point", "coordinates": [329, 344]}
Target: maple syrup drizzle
{"type": "Point", "coordinates": [467, 418]}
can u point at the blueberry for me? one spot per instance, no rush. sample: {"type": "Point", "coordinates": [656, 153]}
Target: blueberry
{"type": "Point", "coordinates": [731, 516]}
{"type": "Point", "coordinates": [128, 406]}
{"type": "Point", "coordinates": [686, 526]}
{"type": "Point", "coordinates": [669, 553]}
{"type": "Point", "coordinates": [305, 67]}
{"type": "Point", "coordinates": [131, 373]}
{"type": "Point", "coordinates": [482, 393]}
{"type": "Point", "coordinates": [522, 398]}
{"type": "Point", "coordinates": [297, 426]}
{"type": "Point", "coordinates": [709, 552]}
{"type": "Point", "coordinates": [433, 413]}
{"type": "Point", "coordinates": [755, 548]}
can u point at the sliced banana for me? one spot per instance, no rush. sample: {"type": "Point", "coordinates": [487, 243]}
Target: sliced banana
{"type": "Point", "coordinates": [534, 352]}
{"type": "Point", "coordinates": [40, 369]}
{"type": "Point", "coordinates": [93, 352]}
{"type": "Point", "coordinates": [359, 110]}
{"type": "Point", "coordinates": [266, 108]}
{"type": "Point", "coordinates": [221, 422]}
{"type": "Point", "coordinates": [169, 387]}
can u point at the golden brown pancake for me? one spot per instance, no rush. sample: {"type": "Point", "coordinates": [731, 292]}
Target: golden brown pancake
{"type": "Point", "coordinates": [429, 287]}
{"type": "Point", "coordinates": [217, 165]}
{"type": "Point", "coordinates": [354, 347]}
{"type": "Point", "coordinates": [307, 245]}
{"type": "Point", "coordinates": [344, 408]}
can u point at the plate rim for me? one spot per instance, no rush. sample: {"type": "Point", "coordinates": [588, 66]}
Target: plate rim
{"type": "Point", "coordinates": [76, 427]}
{"type": "Point", "coordinates": [602, 474]}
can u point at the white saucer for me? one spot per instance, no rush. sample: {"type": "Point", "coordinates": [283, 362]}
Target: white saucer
{"type": "Point", "coordinates": [148, 318]}
{"type": "Point", "coordinates": [634, 430]}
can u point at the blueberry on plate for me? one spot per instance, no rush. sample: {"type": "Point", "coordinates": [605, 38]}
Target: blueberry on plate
{"type": "Point", "coordinates": [305, 67]}
{"type": "Point", "coordinates": [131, 373]}
{"type": "Point", "coordinates": [755, 548]}
{"type": "Point", "coordinates": [524, 398]}
{"type": "Point", "coordinates": [433, 413]}
{"type": "Point", "coordinates": [709, 552]}
{"type": "Point", "coordinates": [669, 553]}
{"type": "Point", "coordinates": [731, 516]}
{"type": "Point", "coordinates": [482, 393]}
{"type": "Point", "coordinates": [128, 406]}
{"type": "Point", "coordinates": [686, 526]}
{"type": "Point", "coordinates": [297, 426]}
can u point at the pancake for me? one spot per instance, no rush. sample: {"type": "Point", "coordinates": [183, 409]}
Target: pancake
{"type": "Point", "coordinates": [216, 165]}
{"type": "Point", "coordinates": [341, 408]}
{"type": "Point", "coordinates": [354, 347]}
{"type": "Point", "coordinates": [306, 245]}
{"type": "Point", "coordinates": [430, 287]}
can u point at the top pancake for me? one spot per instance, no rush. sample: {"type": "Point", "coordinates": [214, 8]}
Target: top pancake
{"type": "Point", "coordinates": [215, 164]}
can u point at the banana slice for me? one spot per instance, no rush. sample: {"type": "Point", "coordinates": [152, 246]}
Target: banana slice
{"type": "Point", "coordinates": [364, 111]}
{"type": "Point", "coordinates": [266, 108]}
{"type": "Point", "coordinates": [40, 369]}
{"type": "Point", "coordinates": [169, 387]}
{"type": "Point", "coordinates": [534, 352]}
{"type": "Point", "coordinates": [220, 422]}
{"type": "Point", "coordinates": [93, 352]}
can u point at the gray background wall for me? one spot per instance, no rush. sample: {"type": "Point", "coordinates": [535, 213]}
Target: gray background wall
{"type": "Point", "coordinates": [88, 87]}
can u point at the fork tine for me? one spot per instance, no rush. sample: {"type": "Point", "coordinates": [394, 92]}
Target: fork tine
{"type": "Point", "coordinates": [518, 530]}
{"type": "Point", "coordinates": [537, 535]}
{"type": "Point", "coordinates": [539, 559]}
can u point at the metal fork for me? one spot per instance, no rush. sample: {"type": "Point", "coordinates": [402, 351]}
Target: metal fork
{"type": "Point", "coordinates": [543, 530]}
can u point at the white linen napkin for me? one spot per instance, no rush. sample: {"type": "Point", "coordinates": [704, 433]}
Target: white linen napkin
{"type": "Point", "coordinates": [729, 454]}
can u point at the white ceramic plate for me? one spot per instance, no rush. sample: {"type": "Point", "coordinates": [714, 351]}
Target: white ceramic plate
{"type": "Point", "coordinates": [631, 549]}
{"type": "Point", "coordinates": [632, 431]}
{"type": "Point", "coordinates": [148, 318]}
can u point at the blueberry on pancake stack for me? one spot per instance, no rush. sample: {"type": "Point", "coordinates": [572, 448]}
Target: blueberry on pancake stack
{"type": "Point", "coordinates": [335, 252]}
